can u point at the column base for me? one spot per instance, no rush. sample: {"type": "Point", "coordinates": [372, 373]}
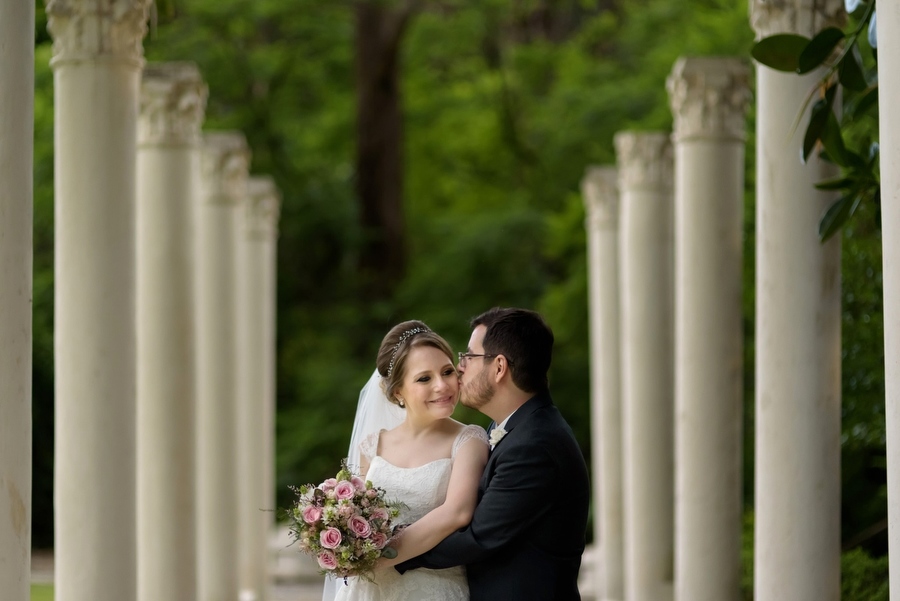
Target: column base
{"type": "Point", "coordinates": [247, 595]}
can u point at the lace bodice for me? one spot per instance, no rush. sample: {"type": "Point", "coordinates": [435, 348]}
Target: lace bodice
{"type": "Point", "coordinates": [420, 489]}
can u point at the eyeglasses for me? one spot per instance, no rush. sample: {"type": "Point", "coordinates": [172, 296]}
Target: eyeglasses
{"type": "Point", "coordinates": [464, 357]}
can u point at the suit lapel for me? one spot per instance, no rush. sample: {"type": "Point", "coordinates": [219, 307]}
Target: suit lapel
{"type": "Point", "coordinates": [521, 415]}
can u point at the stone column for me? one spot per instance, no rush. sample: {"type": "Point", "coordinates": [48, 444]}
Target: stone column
{"type": "Point", "coordinates": [798, 334]}
{"type": "Point", "coordinates": [709, 98]}
{"type": "Point", "coordinates": [270, 204]}
{"type": "Point", "coordinates": [173, 98]}
{"type": "Point", "coordinates": [601, 202]}
{"type": "Point", "coordinates": [256, 401]}
{"type": "Point", "coordinates": [645, 254]}
{"type": "Point", "coordinates": [225, 162]}
{"type": "Point", "coordinates": [16, 202]}
{"type": "Point", "coordinates": [97, 60]}
{"type": "Point", "coordinates": [889, 138]}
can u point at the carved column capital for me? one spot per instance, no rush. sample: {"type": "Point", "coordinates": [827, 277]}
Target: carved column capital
{"type": "Point", "coordinates": [709, 98]}
{"type": "Point", "coordinates": [803, 17]}
{"type": "Point", "coordinates": [644, 160]}
{"type": "Point", "coordinates": [262, 209]}
{"type": "Point", "coordinates": [173, 103]}
{"type": "Point", "coordinates": [226, 165]}
{"type": "Point", "coordinates": [600, 191]}
{"type": "Point", "coordinates": [91, 30]}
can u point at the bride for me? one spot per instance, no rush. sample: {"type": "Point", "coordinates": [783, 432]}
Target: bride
{"type": "Point", "coordinates": [405, 442]}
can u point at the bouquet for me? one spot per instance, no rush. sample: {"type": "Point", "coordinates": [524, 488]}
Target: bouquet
{"type": "Point", "coordinates": [344, 523]}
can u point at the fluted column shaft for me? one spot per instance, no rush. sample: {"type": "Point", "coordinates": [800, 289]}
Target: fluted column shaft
{"type": "Point", "coordinates": [173, 97]}
{"type": "Point", "coordinates": [256, 402]}
{"type": "Point", "coordinates": [889, 139]}
{"type": "Point", "coordinates": [16, 202]}
{"type": "Point", "coordinates": [601, 200]}
{"type": "Point", "coordinates": [97, 58]}
{"type": "Point", "coordinates": [709, 98]}
{"type": "Point", "coordinates": [645, 254]}
{"type": "Point", "coordinates": [225, 162]}
{"type": "Point", "coordinates": [798, 335]}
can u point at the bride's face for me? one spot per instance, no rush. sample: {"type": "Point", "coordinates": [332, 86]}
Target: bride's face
{"type": "Point", "coordinates": [430, 384]}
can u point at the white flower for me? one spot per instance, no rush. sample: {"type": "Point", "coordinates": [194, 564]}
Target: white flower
{"type": "Point", "coordinates": [873, 35]}
{"type": "Point", "coordinates": [497, 435]}
{"type": "Point", "coordinates": [851, 5]}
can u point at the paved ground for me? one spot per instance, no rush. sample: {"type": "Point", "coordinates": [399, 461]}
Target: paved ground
{"type": "Point", "coordinates": [295, 577]}
{"type": "Point", "coordinates": [305, 588]}
{"type": "Point", "coordinates": [297, 592]}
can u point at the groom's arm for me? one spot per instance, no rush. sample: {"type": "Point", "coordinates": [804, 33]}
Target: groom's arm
{"type": "Point", "coordinates": [518, 495]}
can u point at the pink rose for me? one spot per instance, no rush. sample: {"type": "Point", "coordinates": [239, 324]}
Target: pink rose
{"type": "Point", "coordinates": [379, 540]}
{"type": "Point", "coordinates": [329, 484]}
{"type": "Point", "coordinates": [359, 526]}
{"type": "Point", "coordinates": [312, 514]}
{"type": "Point", "coordinates": [330, 538]}
{"type": "Point", "coordinates": [358, 482]}
{"type": "Point", "coordinates": [371, 493]}
{"type": "Point", "coordinates": [344, 490]}
{"type": "Point", "coordinates": [346, 510]}
{"type": "Point", "coordinates": [327, 560]}
{"type": "Point", "coordinates": [379, 513]}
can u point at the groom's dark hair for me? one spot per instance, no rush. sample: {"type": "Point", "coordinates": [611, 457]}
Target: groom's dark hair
{"type": "Point", "coordinates": [525, 339]}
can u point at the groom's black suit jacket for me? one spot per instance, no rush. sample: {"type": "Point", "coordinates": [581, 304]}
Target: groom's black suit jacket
{"type": "Point", "coordinates": [527, 535]}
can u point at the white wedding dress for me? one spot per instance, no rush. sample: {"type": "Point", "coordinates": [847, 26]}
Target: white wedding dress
{"type": "Point", "coordinates": [419, 489]}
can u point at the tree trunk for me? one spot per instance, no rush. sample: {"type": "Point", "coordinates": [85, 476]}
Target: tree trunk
{"type": "Point", "coordinates": [379, 151]}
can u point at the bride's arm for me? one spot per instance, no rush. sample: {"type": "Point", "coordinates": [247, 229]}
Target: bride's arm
{"type": "Point", "coordinates": [456, 511]}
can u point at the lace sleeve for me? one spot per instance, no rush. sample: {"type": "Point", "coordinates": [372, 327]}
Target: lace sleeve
{"type": "Point", "coordinates": [368, 448]}
{"type": "Point", "coordinates": [466, 434]}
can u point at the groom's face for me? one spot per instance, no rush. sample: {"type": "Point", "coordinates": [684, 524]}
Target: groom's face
{"type": "Point", "coordinates": [475, 387]}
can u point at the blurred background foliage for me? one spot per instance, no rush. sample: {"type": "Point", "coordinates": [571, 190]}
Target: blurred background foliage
{"type": "Point", "coordinates": [504, 104]}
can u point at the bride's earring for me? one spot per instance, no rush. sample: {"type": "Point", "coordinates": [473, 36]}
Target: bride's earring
{"type": "Point", "coordinates": [402, 404]}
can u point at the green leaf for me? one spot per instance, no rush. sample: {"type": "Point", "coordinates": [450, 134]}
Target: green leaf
{"type": "Point", "coordinates": [830, 94]}
{"type": "Point", "coordinates": [866, 101]}
{"type": "Point", "coordinates": [836, 215]}
{"type": "Point", "coordinates": [819, 49]}
{"type": "Point", "coordinates": [780, 52]}
{"type": "Point", "coordinates": [850, 71]}
{"type": "Point", "coordinates": [835, 184]}
{"type": "Point", "coordinates": [818, 120]}
{"type": "Point", "coordinates": [833, 141]}
{"type": "Point", "coordinates": [856, 162]}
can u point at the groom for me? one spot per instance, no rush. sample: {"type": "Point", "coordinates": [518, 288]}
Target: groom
{"type": "Point", "coordinates": [527, 535]}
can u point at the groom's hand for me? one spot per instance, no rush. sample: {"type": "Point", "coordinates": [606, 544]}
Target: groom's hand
{"type": "Point", "coordinates": [390, 552]}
